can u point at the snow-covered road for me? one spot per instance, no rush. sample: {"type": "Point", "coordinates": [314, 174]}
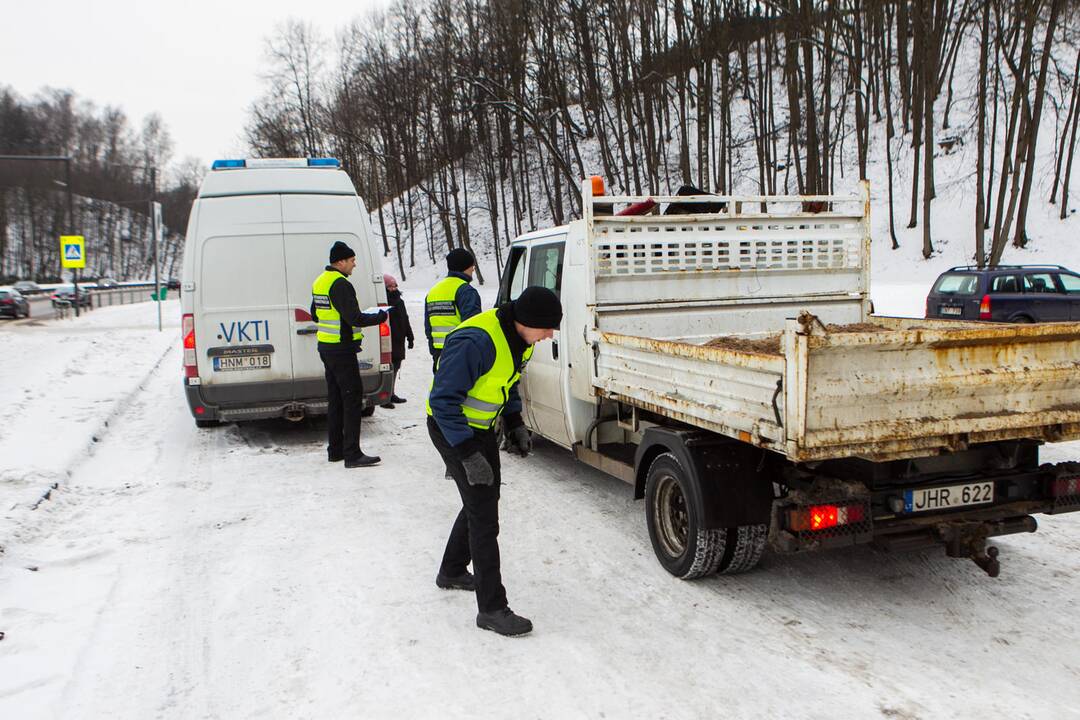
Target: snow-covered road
{"type": "Point", "coordinates": [233, 572]}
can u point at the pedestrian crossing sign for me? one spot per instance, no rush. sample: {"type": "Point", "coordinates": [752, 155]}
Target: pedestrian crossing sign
{"type": "Point", "coordinates": [72, 251]}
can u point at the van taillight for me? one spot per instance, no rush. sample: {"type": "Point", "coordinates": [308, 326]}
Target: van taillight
{"type": "Point", "coordinates": [187, 331]}
{"type": "Point", "coordinates": [385, 347]}
{"type": "Point", "coordinates": [984, 308]}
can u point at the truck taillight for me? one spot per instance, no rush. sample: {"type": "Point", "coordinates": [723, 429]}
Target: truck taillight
{"type": "Point", "coordinates": [187, 331]}
{"type": "Point", "coordinates": [385, 347]}
{"type": "Point", "coordinates": [1065, 486]}
{"type": "Point", "coordinates": [822, 517]}
{"type": "Point", "coordinates": [984, 308]}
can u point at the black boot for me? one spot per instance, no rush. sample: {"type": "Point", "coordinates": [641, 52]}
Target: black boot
{"type": "Point", "coordinates": [397, 400]}
{"type": "Point", "coordinates": [465, 581]}
{"type": "Point", "coordinates": [362, 460]}
{"type": "Point", "coordinates": [387, 406]}
{"type": "Point", "coordinates": [504, 622]}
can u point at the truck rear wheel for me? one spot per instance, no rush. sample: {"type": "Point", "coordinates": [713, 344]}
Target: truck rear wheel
{"type": "Point", "coordinates": [674, 515]}
{"type": "Point", "coordinates": [745, 545]}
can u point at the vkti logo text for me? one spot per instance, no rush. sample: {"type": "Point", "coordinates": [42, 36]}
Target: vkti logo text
{"type": "Point", "coordinates": [245, 331]}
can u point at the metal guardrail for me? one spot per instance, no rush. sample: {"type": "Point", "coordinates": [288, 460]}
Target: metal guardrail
{"type": "Point", "coordinates": [124, 295]}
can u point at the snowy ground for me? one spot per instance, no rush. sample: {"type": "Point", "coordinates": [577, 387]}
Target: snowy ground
{"type": "Point", "coordinates": [184, 573]}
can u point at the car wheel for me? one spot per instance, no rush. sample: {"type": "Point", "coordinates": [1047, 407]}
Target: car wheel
{"type": "Point", "coordinates": [1023, 319]}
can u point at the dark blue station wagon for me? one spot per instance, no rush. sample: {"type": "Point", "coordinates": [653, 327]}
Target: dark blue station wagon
{"type": "Point", "coordinates": [1006, 293]}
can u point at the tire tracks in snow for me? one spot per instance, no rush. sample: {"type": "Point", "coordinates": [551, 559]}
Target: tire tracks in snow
{"type": "Point", "coordinates": [86, 448]}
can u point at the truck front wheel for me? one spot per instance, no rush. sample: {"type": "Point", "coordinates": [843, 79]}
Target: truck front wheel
{"type": "Point", "coordinates": [674, 515]}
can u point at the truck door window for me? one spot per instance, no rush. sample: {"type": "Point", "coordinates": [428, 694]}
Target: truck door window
{"type": "Point", "coordinates": [513, 279]}
{"type": "Point", "coordinates": [545, 266]}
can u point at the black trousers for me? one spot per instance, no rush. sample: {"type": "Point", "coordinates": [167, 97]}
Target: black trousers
{"type": "Point", "coordinates": [475, 533]}
{"type": "Point", "coordinates": [345, 401]}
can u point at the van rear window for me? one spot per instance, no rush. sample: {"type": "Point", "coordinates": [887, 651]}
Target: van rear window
{"type": "Point", "coordinates": [243, 271]}
{"type": "Point", "coordinates": [957, 285]}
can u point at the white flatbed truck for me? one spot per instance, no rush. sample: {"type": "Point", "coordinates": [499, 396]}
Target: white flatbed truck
{"type": "Point", "coordinates": [722, 357]}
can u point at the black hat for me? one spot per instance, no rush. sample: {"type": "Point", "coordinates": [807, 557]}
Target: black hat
{"type": "Point", "coordinates": [538, 307]}
{"type": "Point", "coordinates": [459, 260]}
{"type": "Point", "coordinates": [340, 251]}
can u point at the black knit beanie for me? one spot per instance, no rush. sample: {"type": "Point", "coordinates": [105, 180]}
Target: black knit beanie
{"type": "Point", "coordinates": [459, 260]}
{"type": "Point", "coordinates": [538, 307]}
{"type": "Point", "coordinates": [340, 251]}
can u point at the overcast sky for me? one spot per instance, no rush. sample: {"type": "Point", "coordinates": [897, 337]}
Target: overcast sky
{"type": "Point", "coordinates": [196, 62]}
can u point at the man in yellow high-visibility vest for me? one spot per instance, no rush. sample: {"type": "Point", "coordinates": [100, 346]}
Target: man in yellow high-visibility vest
{"type": "Point", "coordinates": [475, 385]}
{"type": "Point", "coordinates": [338, 319]}
{"type": "Point", "coordinates": [450, 301]}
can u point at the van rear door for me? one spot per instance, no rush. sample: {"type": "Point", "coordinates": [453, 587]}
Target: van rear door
{"type": "Point", "coordinates": [312, 223]}
{"type": "Point", "coordinates": [242, 323]}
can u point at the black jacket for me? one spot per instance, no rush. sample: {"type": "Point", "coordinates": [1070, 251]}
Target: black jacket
{"type": "Point", "coordinates": [400, 328]}
{"type": "Point", "coordinates": [343, 297]}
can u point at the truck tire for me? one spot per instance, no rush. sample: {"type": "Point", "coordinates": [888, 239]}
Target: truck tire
{"type": "Point", "coordinates": [368, 411]}
{"type": "Point", "coordinates": [673, 512]}
{"type": "Point", "coordinates": [207, 423]}
{"type": "Point", "coordinates": [745, 545]}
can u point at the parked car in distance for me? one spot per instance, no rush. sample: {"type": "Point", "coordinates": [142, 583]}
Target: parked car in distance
{"type": "Point", "coordinates": [1006, 293]}
{"type": "Point", "coordinates": [173, 283]}
{"type": "Point", "coordinates": [66, 294]}
{"type": "Point", "coordinates": [27, 287]}
{"type": "Point", "coordinates": [13, 304]}
{"type": "Point", "coordinates": [107, 282]}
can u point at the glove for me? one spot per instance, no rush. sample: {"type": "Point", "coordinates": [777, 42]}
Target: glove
{"type": "Point", "coordinates": [382, 316]}
{"type": "Point", "coordinates": [477, 470]}
{"type": "Point", "coordinates": [517, 441]}
{"type": "Point", "coordinates": [410, 343]}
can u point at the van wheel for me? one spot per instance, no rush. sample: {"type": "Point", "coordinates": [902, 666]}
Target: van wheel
{"type": "Point", "coordinates": [207, 423]}
{"type": "Point", "coordinates": [745, 545]}
{"type": "Point", "coordinates": [368, 411]}
{"type": "Point", "coordinates": [683, 546]}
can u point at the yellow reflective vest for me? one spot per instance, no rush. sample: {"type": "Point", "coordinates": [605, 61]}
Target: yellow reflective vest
{"type": "Point", "coordinates": [491, 391]}
{"type": "Point", "coordinates": [442, 311]}
{"type": "Point", "coordinates": [327, 318]}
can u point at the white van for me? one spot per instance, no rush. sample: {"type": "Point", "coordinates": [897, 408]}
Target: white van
{"type": "Point", "coordinates": [260, 232]}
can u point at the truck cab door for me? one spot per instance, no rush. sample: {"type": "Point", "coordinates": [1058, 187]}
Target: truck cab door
{"type": "Point", "coordinates": [510, 286]}
{"type": "Point", "coordinates": [544, 378]}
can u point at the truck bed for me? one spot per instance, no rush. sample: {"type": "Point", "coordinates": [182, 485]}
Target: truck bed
{"type": "Point", "coordinates": [894, 388]}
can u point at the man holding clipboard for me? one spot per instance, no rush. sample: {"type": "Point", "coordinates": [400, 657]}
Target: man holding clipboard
{"type": "Point", "coordinates": [338, 318]}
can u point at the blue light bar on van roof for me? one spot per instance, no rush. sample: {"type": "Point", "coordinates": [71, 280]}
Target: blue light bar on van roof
{"type": "Point", "coordinates": [323, 162]}
{"type": "Point", "coordinates": [225, 164]}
